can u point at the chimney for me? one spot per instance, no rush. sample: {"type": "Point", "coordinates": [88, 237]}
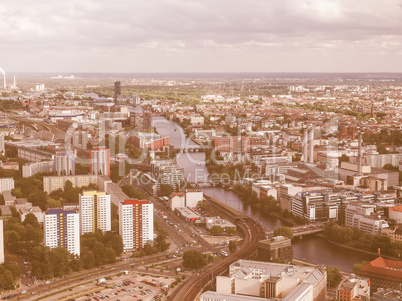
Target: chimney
{"type": "Point", "coordinates": [304, 145]}
{"type": "Point", "coordinates": [359, 156]}
{"type": "Point", "coordinates": [311, 144]}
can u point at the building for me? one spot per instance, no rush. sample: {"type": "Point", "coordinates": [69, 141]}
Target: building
{"type": "Point", "coordinates": [64, 164]}
{"type": "Point", "coordinates": [214, 296]}
{"type": "Point", "coordinates": [353, 289]}
{"type": "Point", "coordinates": [52, 183]}
{"type": "Point", "coordinates": [237, 144]}
{"type": "Point", "coordinates": [100, 161]}
{"type": "Point", "coordinates": [364, 218]}
{"type": "Point", "coordinates": [30, 169]}
{"type": "Point", "coordinates": [187, 214]}
{"type": "Point", "coordinates": [6, 184]}
{"type": "Point", "coordinates": [62, 229]}
{"type": "Point", "coordinates": [150, 140]}
{"type": "Point", "coordinates": [136, 223]}
{"type": "Point", "coordinates": [1, 241]}
{"type": "Point", "coordinates": [395, 213]}
{"type": "Point", "coordinates": [217, 221]}
{"type": "Point", "coordinates": [384, 273]}
{"type": "Point", "coordinates": [95, 211]}
{"type": "Point", "coordinates": [177, 200]}
{"type": "Point", "coordinates": [167, 172]}
{"type": "Point", "coordinates": [274, 280]}
{"type": "Point", "coordinates": [2, 147]}
{"type": "Point", "coordinates": [193, 197]}
{"type": "Point", "coordinates": [275, 248]}
{"type": "Point", "coordinates": [27, 208]}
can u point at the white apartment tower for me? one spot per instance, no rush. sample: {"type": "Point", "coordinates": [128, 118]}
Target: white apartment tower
{"type": "Point", "coordinates": [136, 223]}
{"type": "Point", "coordinates": [62, 229]}
{"type": "Point", "coordinates": [64, 164]}
{"type": "Point", "coordinates": [95, 211]}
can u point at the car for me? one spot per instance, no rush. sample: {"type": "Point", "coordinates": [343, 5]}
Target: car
{"type": "Point", "coordinates": [24, 292]}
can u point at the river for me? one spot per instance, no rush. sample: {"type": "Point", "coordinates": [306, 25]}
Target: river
{"type": "Point", "coordinates": [312, 248]}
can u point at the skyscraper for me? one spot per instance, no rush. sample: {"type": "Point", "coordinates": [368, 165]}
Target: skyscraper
{"type": "Point", "coordinates": [136, 223]}
{"type": "Point", "coordinates": [1, 241]}
{"type": "Point", "coordinates": [100, 161]}
{"type": "Point", "coordinates": [64, 164]}
{"type": "Point", "coordinates": [62, 229]}
{"type": "Point", "coordinates": [117, 90]}
{"type": "Point", "coordinates": [95, 211]}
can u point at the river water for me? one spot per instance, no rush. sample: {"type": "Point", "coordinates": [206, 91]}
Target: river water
{"type": "Point", "coordinates": [310, 248]}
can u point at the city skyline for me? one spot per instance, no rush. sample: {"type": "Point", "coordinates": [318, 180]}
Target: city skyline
{"type": "Point", "coordinates": [200, 36]}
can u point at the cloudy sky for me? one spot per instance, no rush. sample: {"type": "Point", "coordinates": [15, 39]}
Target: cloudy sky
{"type": "Point", "coordinates": [201, 35]}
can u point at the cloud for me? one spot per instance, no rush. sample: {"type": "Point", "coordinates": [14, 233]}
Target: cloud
{"type": "Point", "coordinates": [45, 30]}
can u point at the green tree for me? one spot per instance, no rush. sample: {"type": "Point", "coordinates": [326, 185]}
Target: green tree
{"type": "Point", "coordinates": [194, 260]}
{"type": "Point", "coordinates": [284, 231]}
{"type": "Point", "coordinates": [31, 219]}
{"type": "Point", "coordinates": [334, 277]}
{"type": "Point", "coordinates": [232, 246]}
{"type": "Point", "coordinates": [216, 230]}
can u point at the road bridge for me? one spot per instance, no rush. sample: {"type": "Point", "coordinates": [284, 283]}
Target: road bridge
{"type": "Point", "coordinates": [301, 231]}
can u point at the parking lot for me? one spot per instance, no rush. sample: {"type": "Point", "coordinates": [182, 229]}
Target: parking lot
{"type": "Point", "coordinates": [132, 286]}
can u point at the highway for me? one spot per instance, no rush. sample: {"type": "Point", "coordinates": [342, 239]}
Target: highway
{"type": "Point", "coordinates": [192, 288]}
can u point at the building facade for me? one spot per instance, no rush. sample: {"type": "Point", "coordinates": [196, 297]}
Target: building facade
{"type": "Point", "coordinates": [95, 211]}
{"type": "Point", "coordinates": [136, 223]}
{"type": "Point", "coordinates": [1, 241]}
{"type": "Point", "coordinates": [6, 184]}
{"type": "Point", "coordinates": [100, 161]}
{"type": "Point", "coordinates": [64, 164]}
{"type": "Point", "coordinates": [62, 229]}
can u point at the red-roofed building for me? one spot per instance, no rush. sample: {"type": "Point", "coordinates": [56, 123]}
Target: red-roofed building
{"type": "Point", "coordinates": [384, 273]}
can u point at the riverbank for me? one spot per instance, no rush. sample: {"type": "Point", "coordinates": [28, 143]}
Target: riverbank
{"type": "Point", "coordinates": [355, 249]}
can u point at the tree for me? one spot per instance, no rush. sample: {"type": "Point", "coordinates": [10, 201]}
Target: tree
{"type": "Point", "coordinates": [194, 260]}
{"type": "Point", "coordinates": [284, 231]}
{"type": "Point", "coordinates": [31, 219]}
{"type": "Point", "coordinates": [89, 145]}
{"type": "Point", "coordinates": [232, 246]}
{"type": "Point", "coordinates": [38, 198]}
{"type": "Point", "coordinates": [165, 190]}
{"type": "Point", "coordinates": [334, 277]}
{"type": "Point", "coordinates": [216, 230]}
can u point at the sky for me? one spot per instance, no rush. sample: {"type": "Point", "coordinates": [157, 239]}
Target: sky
{"type": "Point", "coordinates": [201, 36]}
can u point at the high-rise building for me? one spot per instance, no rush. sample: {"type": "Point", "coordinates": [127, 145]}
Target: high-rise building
{"type": "Point", "coordinates": [64, 164]}
{"type": "Point", "coordinates": [95, 211]}
{"type": "Point", "coordinates": [117, 90]}
{"type": "Point", "coordinates": [100, 161]}
{"type": "Point", "coordinates": [62, 229]}
{"type": "Point", "coordinates": [136, 223]}
{"type": "Point", "coordinates": [147, 119]}
{"type": "Point", "coordinates": [1, 241]}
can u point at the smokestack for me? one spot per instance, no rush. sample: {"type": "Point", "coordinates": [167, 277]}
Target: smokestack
{"type": "Point", "coordinates": [359, 155]}
{"type": "Point", "coordinates": [304, 145]}
{"type": "Point", "coordinates": [311, 143]}
{"type": "Point", "coordinates": [15, 86]}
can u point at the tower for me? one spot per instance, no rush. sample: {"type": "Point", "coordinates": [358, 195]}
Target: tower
{"type": "Point", "coordinates": [64, 164]}
{"type": "Point", "coordinates": [136, 223]}
{"type": "Point", "coordinates": [117, 90]}
{"type": "Point", "coordinates": [100, 161]}
{"type": "Point", "coordinates": [62, 229]}
{"type": "Point", "coordinates": [95, 211]}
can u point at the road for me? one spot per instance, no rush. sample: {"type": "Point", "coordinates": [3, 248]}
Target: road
{"type": "Point", "coordinates": [191, 289]}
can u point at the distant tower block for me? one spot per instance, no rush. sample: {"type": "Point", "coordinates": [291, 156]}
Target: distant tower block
{"type": "Point", "coordinates": [304, 145]}
{"type": "Point", "coordinates": [372, 110]}
{"type": "Point", "coordinates": [117, 90]}
{"type": "Point", "coordinates": [147, 119]}
{"type": "Point", "coordinates": [311, 146]}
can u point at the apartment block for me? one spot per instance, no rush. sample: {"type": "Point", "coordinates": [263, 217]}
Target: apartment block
{"type": "Point", "coordinates": [30, 169]}
{"type": "Point", "coordinates": [64, 164]}
{"type": "Point", "coordinates": [1, 240]}
{"type": "Point", "coordinates": [100, 161]}
{"type": "Point", "coordinates": [52, 183]}
{"type": "Point", "coordinates": [6, 184]}
{"type": "Point", "coordinates": [62, 229]}
{"type": "Point", "coordinates": [95, 211]}
{"type": "Point", "coordinates": [136, 223]}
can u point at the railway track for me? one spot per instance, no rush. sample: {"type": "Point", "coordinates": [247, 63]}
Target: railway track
{"type": "Point", "coordinates": [191, 289]}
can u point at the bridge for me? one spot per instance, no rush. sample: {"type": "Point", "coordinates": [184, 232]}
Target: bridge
{"type": "Point", "coordinates": [191, 149]}
{"type": "Point", "coordinates": [301, 231]}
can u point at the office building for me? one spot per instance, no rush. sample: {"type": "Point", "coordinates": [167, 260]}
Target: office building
{"type": "Point", "coordinates": [62, 229]}
{"type": "Point", "coordinates": [100, 161]}
{"type": "Point", "coordinates": [167, 172]}
{"type": "Point", "coordinates": [275, 248]}
{"type": "Point", "coordinates": [383, 273]}
{"type": "Point", "coordinates": [1, 241]}
{"type": "Point", "coordinates": [64, 164]}
{"type": "Point", "coordinates": [95, 211]}
{"type": "Point", "coordinates": [136, 223]}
